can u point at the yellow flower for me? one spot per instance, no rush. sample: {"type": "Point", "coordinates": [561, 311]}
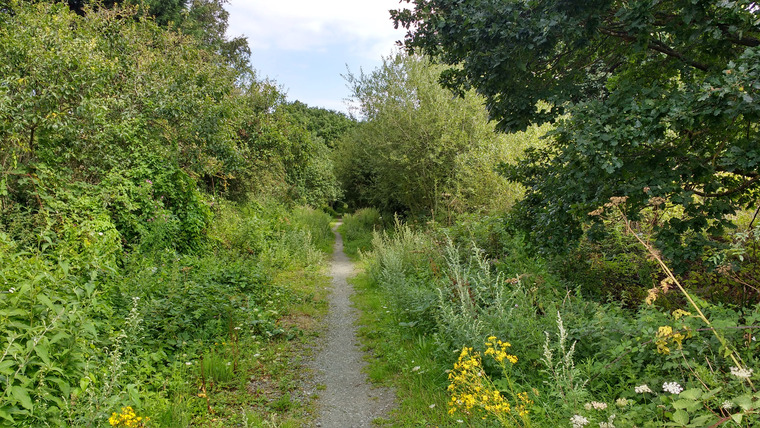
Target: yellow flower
{"type": "Point", "coordinates": [473, 392]}
{"type": "Point", "coordinates": [678, 313]}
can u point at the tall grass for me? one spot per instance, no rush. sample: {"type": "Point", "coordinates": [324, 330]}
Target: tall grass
{"type": "Point", "coordinates": [575, 353]}
{"type": "Point", "coordinates": [357, 230]}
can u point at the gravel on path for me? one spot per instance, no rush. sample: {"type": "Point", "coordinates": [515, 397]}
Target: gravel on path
{"type": "Point", "coordinates": [347, 400]}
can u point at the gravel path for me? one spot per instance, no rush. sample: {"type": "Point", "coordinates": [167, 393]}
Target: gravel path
{"type": "Point", "coordinates": [347, 399]}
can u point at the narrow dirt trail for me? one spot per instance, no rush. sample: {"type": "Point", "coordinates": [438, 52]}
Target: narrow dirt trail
{"type": "Point", "coordinates": [347, 399]}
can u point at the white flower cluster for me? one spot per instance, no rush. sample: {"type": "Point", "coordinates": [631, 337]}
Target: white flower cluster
{"type": "Point", "coordinates": [642, 389]}
{"type": "Point", "coordinates": [622, 402]}
{"type": "Point", "coordinates": [672, 387]}
{"type": "Point", "coordinates": [595, 405]}
{"type": "Point", "coordinates": [578, 421]}
{"type": "Point", "coordinates": [741, 373]}
{"type": "Point", "coordinates": [609, 423]}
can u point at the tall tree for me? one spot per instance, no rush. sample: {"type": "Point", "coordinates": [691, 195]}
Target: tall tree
{"type": "Point", "coordinates": [207, 20]}
{"type": "Point", "coordinates": [329, 125]}
{"type": "Point", "coordinates": [661, 96]}
{"type": "Point", "coordinates": [419, 151]}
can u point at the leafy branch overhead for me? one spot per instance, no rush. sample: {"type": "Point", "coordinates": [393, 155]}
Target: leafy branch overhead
{"type": "Point", "coordinates": [651, 99]}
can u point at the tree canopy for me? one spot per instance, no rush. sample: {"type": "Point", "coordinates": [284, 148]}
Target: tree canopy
{"type": "Point", "coordinates": [420, 151]}
{"type": "Point", "coordinates": [654, 100]}
{"type": "Point", "coordinates": [106, 103]}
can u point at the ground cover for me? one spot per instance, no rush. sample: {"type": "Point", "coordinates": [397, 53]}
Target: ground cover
{"type": "Point", "coordinates": [499, 337]}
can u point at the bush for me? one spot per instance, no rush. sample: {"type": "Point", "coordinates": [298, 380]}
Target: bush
{"type": "Point", "coordinates": [357, 230]}
{"type": "Point", "coordinates": [572, 349]}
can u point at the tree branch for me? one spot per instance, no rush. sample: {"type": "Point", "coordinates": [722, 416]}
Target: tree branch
{"type": "Point", "coordinates": [738, 40]}
{"type": "Point", "coordinates": [658, 47]}
{"type": "Point", "coordinates": [743, 186]}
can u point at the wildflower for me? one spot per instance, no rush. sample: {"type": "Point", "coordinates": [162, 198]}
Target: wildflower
{"type": "Point", "coordinates": [672, 387]}
{"type": "Point", "coordinates": [498, 350]}
{"type": "Point", "coordinates": [415, 368]}
{"type": "Point", "coordinates": [642, 389]}
{"type": "Point", "coordinates": [741, 373]}
{"type": "Point", "coordinates": [609, 423]}
{"type": "Point", "coordinates": [578, 421]}
{"type": "Point", "coordinates": [727, 405]}
{"type": "Point", "coordinates": [678, 313]}
{"type": "Point", "coordinates": [621, 402]}
{"type": "Point", "coordinates": [666, 334]}
{"type": "Point", "coordinates": [473, 391]}
{"type": "Point", "coordinates": [127, 418]}
{"type": "Point", "coordinates": [598, 406]}
{"type": "Point", "coordinates": [12, 290]}
{"type": "Point", "coordinates": [188, 363]}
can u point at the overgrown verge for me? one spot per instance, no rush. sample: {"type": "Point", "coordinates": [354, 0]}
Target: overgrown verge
{"type": "Point", "coordinates": [154, 263]}
{"type": "Point", "coordinates": [486, 333]}
{"type": "Point", "coordinates": [102, 336]}
{"type": "Point", "coordinates": [357, 230]}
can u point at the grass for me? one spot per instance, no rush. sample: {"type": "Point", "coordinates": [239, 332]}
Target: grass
{"type": "Point", "coordinates": [265, 389]}
{"type": "Point", "coordinates": [401, 359]}
{"type": "Point", "coordinates": [357, 230]}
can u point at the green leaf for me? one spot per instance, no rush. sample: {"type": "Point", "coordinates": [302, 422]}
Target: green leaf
{"type": "Point", "coordinates": [744, 401]}
{"type": "Point", "coordinates": [682, 404]}
{"type": "Point", "coordinates": [691, 394]}
{"type": "Point", "coordinates": [709, 394]}
{"type": "Point", "coordinates": [5, 366]}
{"type": "Point", "coordinates": [58, 336]}
{"type": "Point", "coordinates": [20, 394]}
{"type": "Point", "coordinates": [680, 417]}
{"type": "Point", "coordinates": [5, 414]}
{"type": "Point", "coordinates": [42, 352]}
{"type": "Point", "coordinates": [737, 417]}
{"type": "Point", "coordinates": [12, 312]}
{"type": "Point", "coordinates": [703, 421]}
{"type": "Point", "coordinates": [45, 300]}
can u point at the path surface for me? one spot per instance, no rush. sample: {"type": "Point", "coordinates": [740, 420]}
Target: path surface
{"type": "Point", "coordinates": [347, 400]}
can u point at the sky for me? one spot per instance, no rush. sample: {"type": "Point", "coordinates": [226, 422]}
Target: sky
{"type": "Point", "coordinates": [306, 45]}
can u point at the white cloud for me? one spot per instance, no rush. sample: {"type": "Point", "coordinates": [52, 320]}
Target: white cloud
{"type": "Point", "coordinates": [313, 24]}
{"type": "Point", "coordinates": [305, 45]}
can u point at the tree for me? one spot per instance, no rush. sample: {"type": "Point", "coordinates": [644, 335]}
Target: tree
{"type": "Point", "coordinates": [206, 20]}
{"type": "Point", "coordinates": [329, 125]}
{"type": "Point", "coordinates": [420, 151]}
{"type": "Point", "coordinates": [654, 100]}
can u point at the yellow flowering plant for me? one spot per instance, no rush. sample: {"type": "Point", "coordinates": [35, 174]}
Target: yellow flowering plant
{"type": "Point", "coordinates": [474, 392]}
{"type": "Point", "coordinates": [127, 418]}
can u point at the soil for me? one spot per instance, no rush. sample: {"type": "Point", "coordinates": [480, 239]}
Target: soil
{"type": "Point", "coordinates": [346, 399]}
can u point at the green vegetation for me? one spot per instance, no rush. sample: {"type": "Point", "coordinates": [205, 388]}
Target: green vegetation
{"type": "Point", "coordinates": [357, 230]}
{"type": "Point", "coordinates": [155, 266]}
{"type": "Point", "coordinates": [428, 295]}
{"type": "Point", "coordinates": [591, 259]}
{"type": "Point", "coordinates": [421, 152]}
{"type": "Point", "coordinates": [654, 101]}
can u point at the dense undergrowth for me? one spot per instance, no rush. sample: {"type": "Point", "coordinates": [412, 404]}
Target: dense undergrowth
{"type": "Point", "coordinates": [600, 336]}
{"type": "Point", "coordinates": [156, 330]}
{"type": "Point", "coordinates": [152, 248]}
